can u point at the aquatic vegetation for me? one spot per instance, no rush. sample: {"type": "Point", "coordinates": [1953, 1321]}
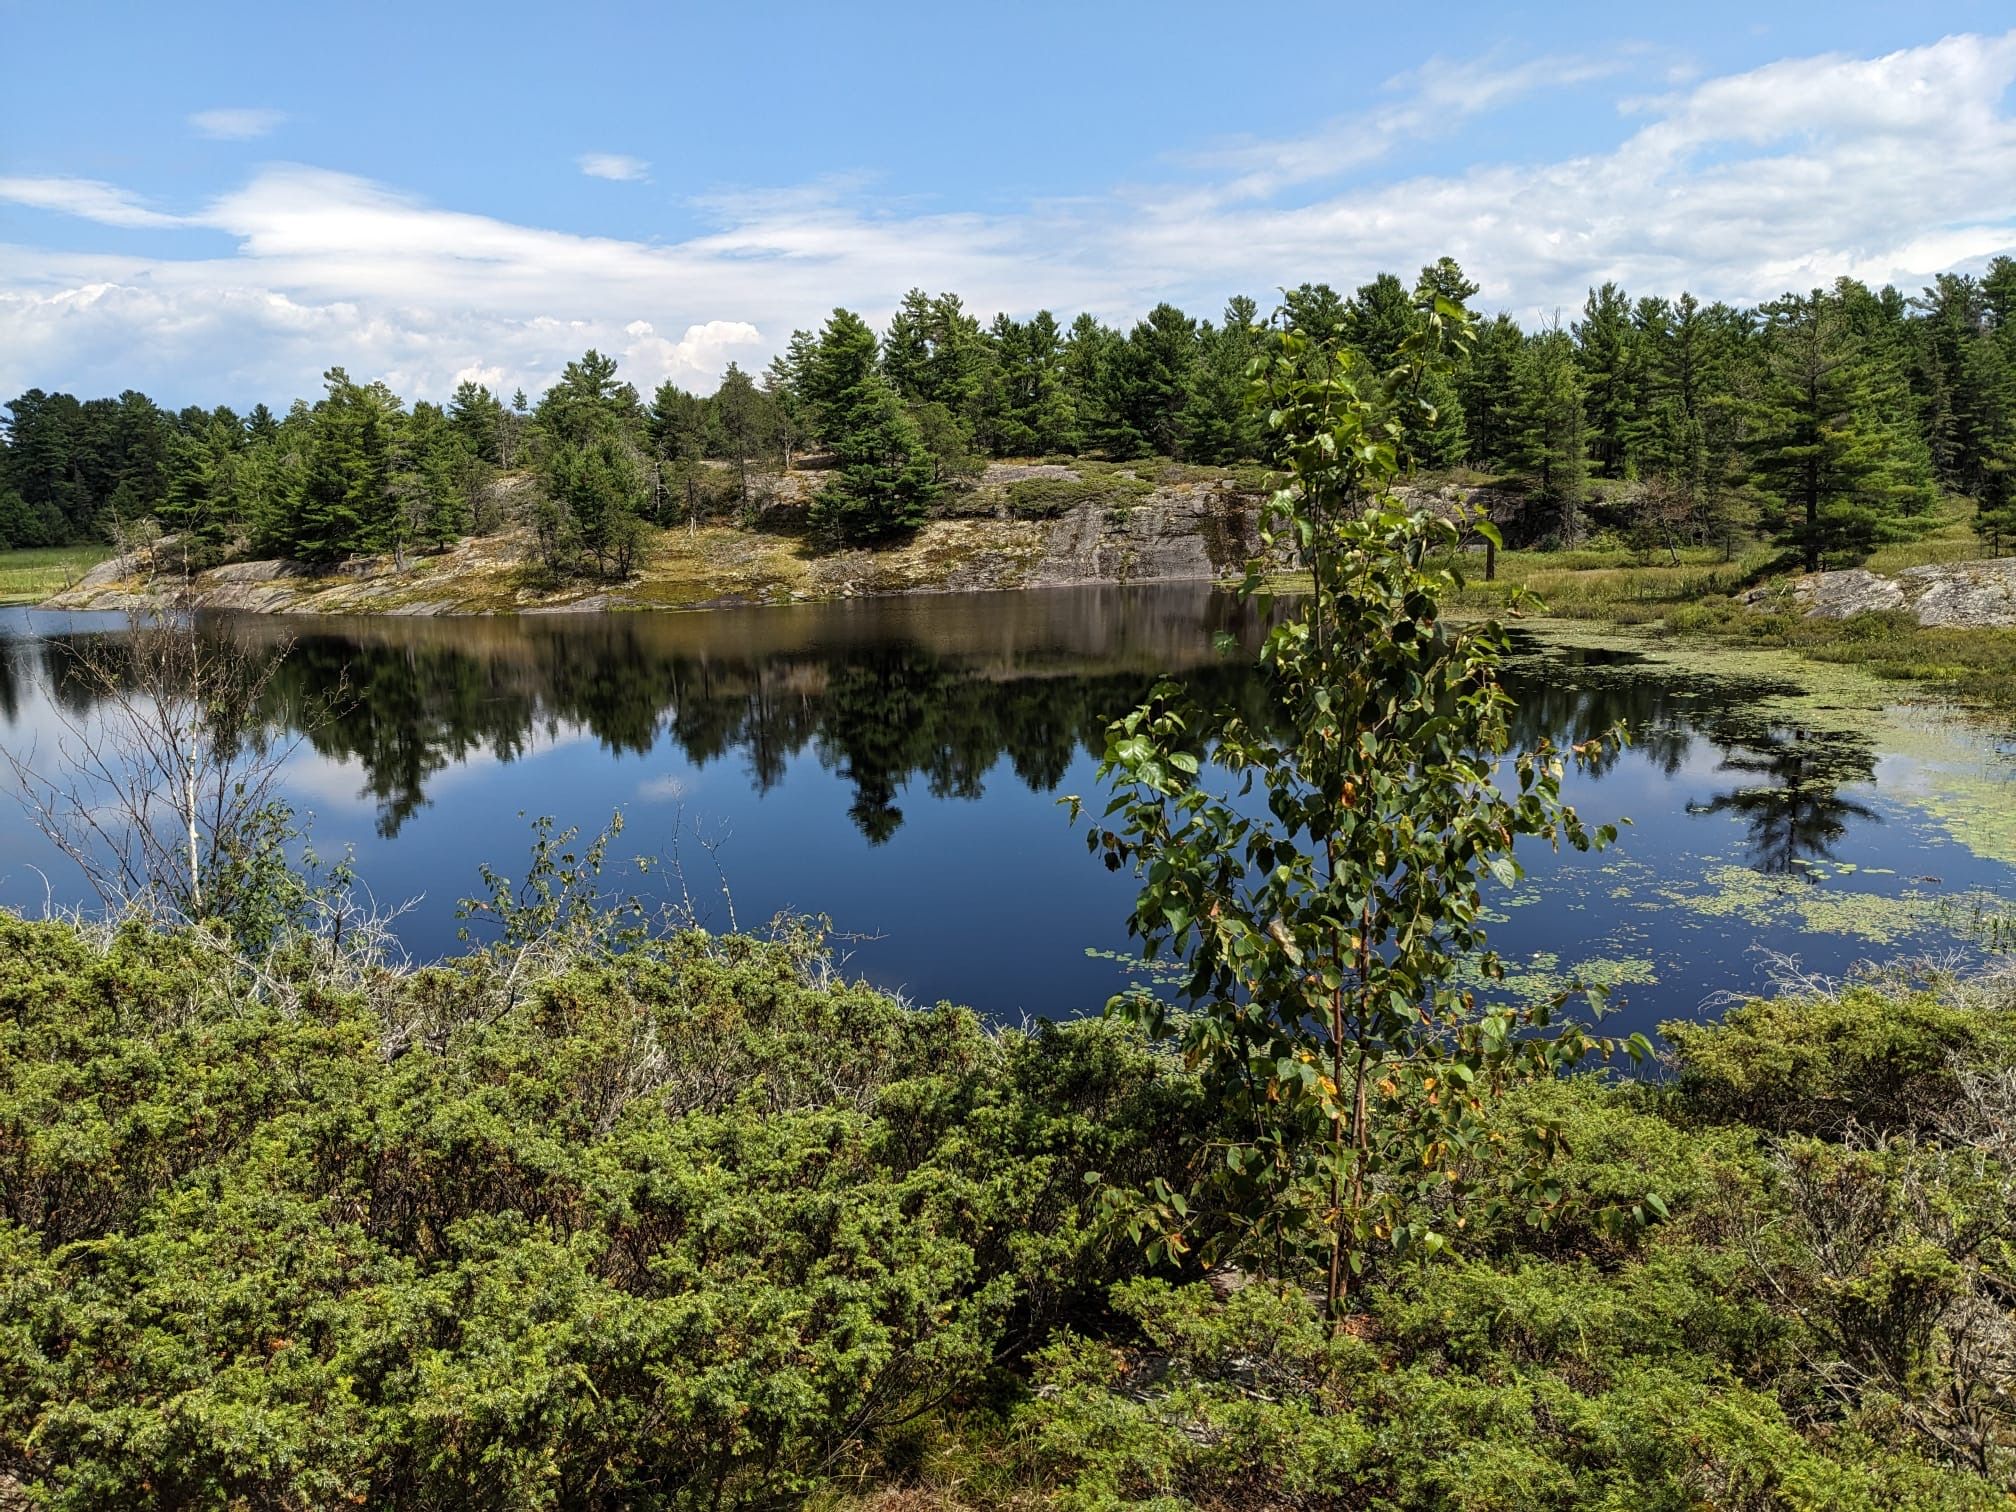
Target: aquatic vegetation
{"type": "Point", "coordinates": [1764, 901]}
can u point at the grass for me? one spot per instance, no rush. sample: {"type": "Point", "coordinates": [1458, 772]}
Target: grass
{"type": "Point", "coordinates": [1697, 596]}
{"type": "Point", "coordinates": [1611, 584]}
{"type": "Point", "coordinates": [30, 576]}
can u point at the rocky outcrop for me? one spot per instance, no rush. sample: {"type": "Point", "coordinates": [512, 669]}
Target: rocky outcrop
{"type": "Point", "coordinates": [1186, 529]}
{"type": "Point", "coordinates": [1973, 595]}
{"type": "Point", "coordinates": [1144, 523]}
{"type": "Point", "coordinates": [1180, 532]}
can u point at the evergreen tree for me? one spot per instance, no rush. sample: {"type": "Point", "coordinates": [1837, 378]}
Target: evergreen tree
{"type": "Point", "coordinates": [1379, 318]}
{"type": "Point", "coordinates": [1147, 382]}
{"type": "Point", "coordinates": [1548, 441]}
{"type": "Point", "coordinates": [1822, 454]}
{"type": "Point", "coordinates": [595, 491]}
{"type": "Point", "coordinates": [680, 426]}
{"type": "Point", "coordinates": [790, 427]}
{"type": "Point", "coordinates": [1445, 279]}
{"type": "Point", "coordinates": [1487, 387]}
{"type": "Point", "coordinates": [1434, 435]}
{"type": "Point", "coordinates": [1317, 310]}
{"type": "Point", "coordinates": [1027, 409]}
{"type": "Point", "coordinates": [344, 496]}
{"type": "Point", "coordinates": [430, 479]}
{"type": "Point", "coordinates": [1607, 352]}
{"type": "Point", "coordinates": [743, 423]}
{"type": "Point", "coordinates": [1090, 352]}
{"type": "Point", "coordinates": [260, 425]}
{"type": "Point", "coordinates": [202, 501]}
{"type": "Point", "coordinates": [881, 481]}
{"type": "Point", "coordinates": [1219, 424]}
{"type": "Point", "coordinates": [478, 418]}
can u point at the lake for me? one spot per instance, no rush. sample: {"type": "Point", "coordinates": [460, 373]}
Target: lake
{"type": "Point", "coordinates": [895, 765]}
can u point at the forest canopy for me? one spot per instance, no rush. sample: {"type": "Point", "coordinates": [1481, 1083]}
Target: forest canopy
{"type": "Point", "coordinates": [1830, 420]}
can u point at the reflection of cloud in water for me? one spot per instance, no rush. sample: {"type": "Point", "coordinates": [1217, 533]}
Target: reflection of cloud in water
{"type": "Point", "coordinates": [665, 789]}
{"type": "Point", "coordinates": [344, 782]}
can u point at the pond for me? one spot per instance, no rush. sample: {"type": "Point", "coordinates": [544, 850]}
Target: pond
{"type": "Point", "coordinates": [895, 765]}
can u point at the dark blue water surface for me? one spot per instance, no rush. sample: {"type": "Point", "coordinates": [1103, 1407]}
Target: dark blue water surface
{"type": "Point", "coordinates": [895, 764]}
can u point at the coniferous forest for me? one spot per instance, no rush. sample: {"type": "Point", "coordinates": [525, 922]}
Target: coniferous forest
{"type": "Point", "coordinates": [1829, 421]}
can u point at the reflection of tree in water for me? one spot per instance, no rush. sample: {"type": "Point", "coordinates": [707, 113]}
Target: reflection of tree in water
{"type": "Point", "coordinates": [888, 694]}
{"type": "Point", "coordinates": [1793, 806]}
{"type": "Point", "coordinates": [881, 712]}
{"type": "Point", "coordinates": [1795, 812]}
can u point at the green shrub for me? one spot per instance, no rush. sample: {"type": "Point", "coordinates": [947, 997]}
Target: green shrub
{"type": "Point", "coordinates": [1047, 498]}
{"type": "Point", "coordinates": [699, 1224]}
{"type": "Point", "coordinates": [1816, 1063]}
{"type": "Point", "coordinates": [687, 1226]}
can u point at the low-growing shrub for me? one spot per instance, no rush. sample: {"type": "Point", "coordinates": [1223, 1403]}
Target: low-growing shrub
{"type": "Point", "coordinates": [1047, 498]}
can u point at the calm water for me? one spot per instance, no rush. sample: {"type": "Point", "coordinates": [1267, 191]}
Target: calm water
{"type": "Point", "coordinates": [895, 765]}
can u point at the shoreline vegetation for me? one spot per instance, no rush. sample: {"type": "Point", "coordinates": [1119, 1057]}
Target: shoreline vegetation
{"type": "Point", "coordinates": [705, 1224]}
{"type": "Point", "coordinates": [1701, 598]}
{"type": "Point", "coordinates": [607, 1211]}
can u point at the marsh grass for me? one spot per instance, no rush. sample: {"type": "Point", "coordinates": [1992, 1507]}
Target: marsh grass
{"type": "Point", "coordinates": [1698, 596]}
{"type": "Point", "coordinates": [29, 576]}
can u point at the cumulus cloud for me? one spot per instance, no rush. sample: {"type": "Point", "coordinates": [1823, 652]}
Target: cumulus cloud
{"type": "Point", "coordinates": [613, 165]}
{"type": "Point", "coordinates": [1739, 187]}
{"type": "Point", "coordinates": [236, 124]}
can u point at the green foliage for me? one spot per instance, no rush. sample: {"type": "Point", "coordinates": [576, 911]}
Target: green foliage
{"type": "Point", "coordinates": [688, 1221]}
{"type": "Point", "coordinates": [589, 433]}
{"type": "Point", "coordinates": [1541, 1387]}
{"type": "Point", "coordinates": [1047, 498]}
{"type": "Point", "coordinates": [1548, 440]}
{"type": "Point", "coordinates": [883, 477]}
{"type": "Point", "coordinates": [691, 1227]}
{"type": "Point", "coordinates": [1831, 448]}
{"type": "Point", "coordinates": [1323, 942]}
{"type": "Point", "coordinates": [1812, 1063]}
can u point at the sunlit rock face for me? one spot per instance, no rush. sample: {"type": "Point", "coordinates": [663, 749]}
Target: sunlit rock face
{"type": "Point", "coordinates": [1977, 595]}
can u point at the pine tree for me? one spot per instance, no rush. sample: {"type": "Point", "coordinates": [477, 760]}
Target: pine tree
{"type": "Point", "coordinates": [1435, 437]}
{"type": "Point", "coordinates": [742, 422]}
{"type": "Point", "coordinates": [1090, 351]}
{"type": "Point", "coordinates": [1316, 310]}
{"type": "Point", "coordinates": [882, 477]}
{"type": "Point", "coordinates": [1219, 423]}
{"type": "Point", "coordinates": [1147, 383]}
{"type": "Point", "coordinates": [791, 429]}
{"type": "Point", "coordinates": [202, 502]}
{"type": "Point", "coordinates": [478, 418]}
{"type": "Point", "coordinates": [595, 495]}
{"type": "Point", "coordinates": [344, 499]}
{"type": "Point", "coordinates": [1606, 350]}
{"type": "Point", "coordinates": [1380, 316]}
{"type": "Point", "coordinates": [1825, 454]}
{"type": "Point", "coordinates": [1549, 438]}
{"type": "Point", "coordinates": [1026, 410]}
{"type": "Point", "coordinates": [1487, 387]}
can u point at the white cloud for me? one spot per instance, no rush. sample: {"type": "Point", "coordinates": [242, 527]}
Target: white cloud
{"type": "Point", "coordinates": [1888, 169]}
{"type": "Point", "coordinates": [107, 204]}
{"type": "Point", "coordinates": [1430, 101]}
{"type": "Point", "coordinates": [613, 165]}
{"type": "Point", "coordinates": [236, 124]}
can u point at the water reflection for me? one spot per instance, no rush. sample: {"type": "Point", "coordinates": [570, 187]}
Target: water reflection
{"type": "Point", "coordinates": [936, 692]}
{"type": "Point", "coordinates": [1790, 778]}
{"type": "Point", "coordinates": [1795, 813]}
{"type": "Point", "coordinates": [894, 763]}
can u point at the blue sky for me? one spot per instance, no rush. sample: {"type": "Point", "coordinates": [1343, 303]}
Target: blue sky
{"type": "Point", "coordinates": [214, 202]}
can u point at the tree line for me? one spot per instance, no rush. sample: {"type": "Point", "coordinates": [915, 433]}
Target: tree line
{"type": "Point", "coordinates": [1831, 421]}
